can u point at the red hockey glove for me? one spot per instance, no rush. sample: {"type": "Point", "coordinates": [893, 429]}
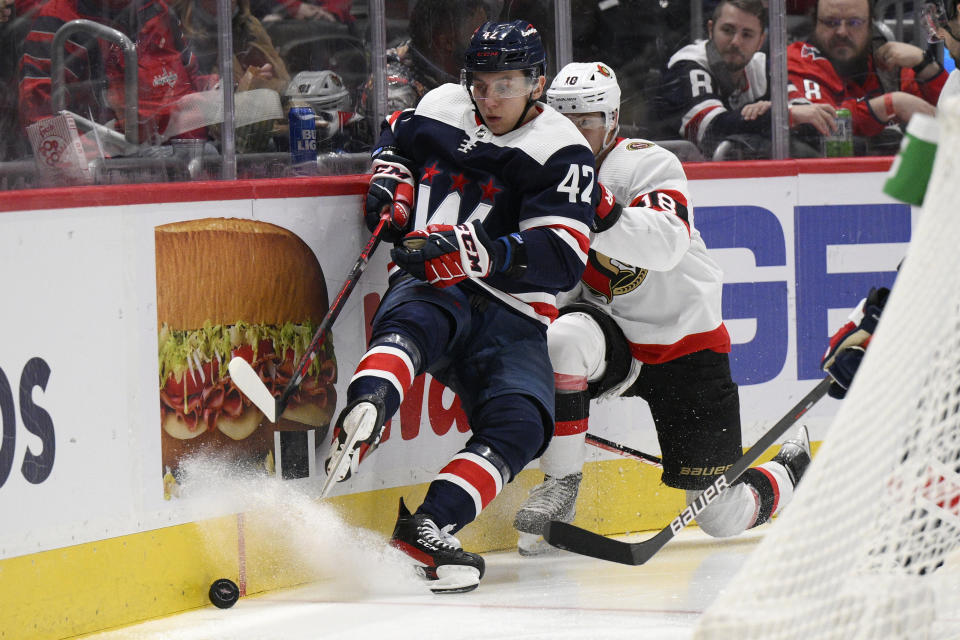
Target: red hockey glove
{"type": "Point", "coordinates": [391, 190]}
{"type": "Point", "coordinates": [848, 345]}
{"type": "Point", "coordinates": [444, 255]}
{"type": "Point", "coordinates": [607, 212]}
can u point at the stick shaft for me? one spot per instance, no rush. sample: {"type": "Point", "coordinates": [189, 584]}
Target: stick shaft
{"type": "Point", "coordinates": [335, 308]}
{"type": "Point", "coordinates": [623, 450]}
{"type": "Point", "coordinates": [584, 542]}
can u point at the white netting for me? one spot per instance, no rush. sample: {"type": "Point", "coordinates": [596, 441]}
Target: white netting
{"type": "Point", "coordinates": [860, 552]}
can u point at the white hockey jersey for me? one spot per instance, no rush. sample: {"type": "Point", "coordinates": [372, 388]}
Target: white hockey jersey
{"type": "Point", "coordinates": [650, 271]}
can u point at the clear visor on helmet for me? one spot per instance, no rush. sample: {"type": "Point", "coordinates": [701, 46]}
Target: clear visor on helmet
{"type": "Point", "coordinates": [500, 87]}
{"type": "Point", "coordinates": [589, 122]}
{"type": "Point", "coordinates": [932, 18]}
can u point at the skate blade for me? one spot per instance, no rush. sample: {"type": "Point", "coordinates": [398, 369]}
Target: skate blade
{"type": "Point", "coordinates": [453, 578]}
{"type": "Point", "coordinates": [343, 457]}
{"type": "Point", "coordinates": [531, 545]}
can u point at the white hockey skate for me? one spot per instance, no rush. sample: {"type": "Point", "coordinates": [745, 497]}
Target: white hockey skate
{"type": "Point", "coordinates": [795, 454]}
{"type": "Point", "coordinates": [553, 499]}
{"type": "Point", "coordinates": [357, 433]}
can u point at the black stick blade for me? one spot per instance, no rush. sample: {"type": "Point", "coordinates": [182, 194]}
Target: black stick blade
{"type": "Point", "coordinates": [570, 538]}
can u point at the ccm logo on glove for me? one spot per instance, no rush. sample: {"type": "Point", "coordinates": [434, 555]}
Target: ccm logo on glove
{"type": "Point", "coordinates": [444, 255]}
{"type": "Point", "coordinates": [391, 191]}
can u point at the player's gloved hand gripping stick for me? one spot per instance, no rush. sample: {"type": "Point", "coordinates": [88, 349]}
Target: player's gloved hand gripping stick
{"type": "Point", "coordinates": [566, 536]}
{"type": "Point", "coordinates": [250, 383]}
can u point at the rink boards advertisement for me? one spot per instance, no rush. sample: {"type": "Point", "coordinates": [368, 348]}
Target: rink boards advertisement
{"type": "Point", "coordinates": [92, 439]}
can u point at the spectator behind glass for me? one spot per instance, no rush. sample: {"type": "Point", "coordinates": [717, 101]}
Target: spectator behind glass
{"type": "Point", "coordinates": [881, 84]}
{"type": "Point", "coordinates": [256, 62]}
{"type": "Point", "coordinates": [439, 33]}
{"type": "Point", "coordinates": [329, 10]}
{"type": "Point", "coordinates": [717, 89]}
{"type": "Point", "coordinates": [94, 77]}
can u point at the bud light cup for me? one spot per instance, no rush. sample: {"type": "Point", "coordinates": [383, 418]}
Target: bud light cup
{"type": "Point", "coordinates": [303, 140]}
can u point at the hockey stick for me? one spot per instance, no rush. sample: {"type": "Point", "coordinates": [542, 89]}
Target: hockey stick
{"type": "Point", "coordinates": [577, 540]}
{"type": "Point", "coordinates": [249, 382]}
{"type": "Point", "coordinates": [623, 450]}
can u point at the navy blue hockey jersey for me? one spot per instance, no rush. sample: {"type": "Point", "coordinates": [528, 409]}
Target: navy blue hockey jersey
{"type": "Point", "coordinates": [538, 180]}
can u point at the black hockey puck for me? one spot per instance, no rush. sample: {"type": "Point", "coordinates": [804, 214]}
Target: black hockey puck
{"type": "Point", "coordinates": [224, 593]}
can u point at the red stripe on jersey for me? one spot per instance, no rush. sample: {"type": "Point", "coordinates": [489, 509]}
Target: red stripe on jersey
{"type": "Point", "coordinates": [567, 382]}
{"type": "Point", "coordinates": [677, 196]}
{"type": "Point", "coordinates": [570, 427]}
{"type": "Point", "coordinates": [693, 125]}
{"type": "Point", "coordinates": [654, 203]}
{"type": "Point", "coordinates": [392, 118]}
{"type": "Point", "coordinates": [774, 486]}
{"type": "Point", "coordinates": [545, 309]}
{"type": "Point", "coordinates": [583, 241]}
{"type": "Point", "coordinates": [716, 340]}
{"type": "Point", "coordinates": [389, 362]}
{"type": "Point", "coordinates": [474, 475]}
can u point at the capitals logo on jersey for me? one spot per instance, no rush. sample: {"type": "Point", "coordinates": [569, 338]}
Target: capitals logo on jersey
{"type": "Point", "coordinates": [810, 51]}
{"type": "Point", "coordinates": [608, 277]}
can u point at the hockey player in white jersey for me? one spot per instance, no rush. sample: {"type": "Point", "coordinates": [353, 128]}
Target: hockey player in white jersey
{"type": "Point", "coordinates": [645, 321]}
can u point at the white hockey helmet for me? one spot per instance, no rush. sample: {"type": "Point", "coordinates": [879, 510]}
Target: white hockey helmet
{"type": "Point", "coordinates": [322, 90]}
{"type": "Point", "coordinates": [585, 87]}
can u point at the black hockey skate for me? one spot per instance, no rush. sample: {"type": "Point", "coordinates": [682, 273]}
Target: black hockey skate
{"type": "Point", "coordinates": [553, 499]}
{"type": "Point", "coordinates": [794, 455]}
{"type": "Point", "coordinates": [439, 556]}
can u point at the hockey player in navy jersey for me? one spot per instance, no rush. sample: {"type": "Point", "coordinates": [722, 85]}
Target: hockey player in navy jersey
{"type": "Point", "coordinates": [504, 189]}
{"type": "Point", "coordinates": [645, 322]}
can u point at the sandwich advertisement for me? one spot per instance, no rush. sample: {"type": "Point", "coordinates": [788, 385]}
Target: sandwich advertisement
{"type": "Point", "coordinates": [226, 288]}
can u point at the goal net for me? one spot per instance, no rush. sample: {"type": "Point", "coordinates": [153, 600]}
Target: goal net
{"type": "Point", "coordinates": [868, 548]}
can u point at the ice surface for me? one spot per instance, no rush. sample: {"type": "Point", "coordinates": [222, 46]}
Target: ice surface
{"type": "Point", "coordinates": [559, 596]}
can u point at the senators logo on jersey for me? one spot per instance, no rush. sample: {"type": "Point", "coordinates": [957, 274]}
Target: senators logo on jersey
{"type": "Point", "coordinates": [607, 277]}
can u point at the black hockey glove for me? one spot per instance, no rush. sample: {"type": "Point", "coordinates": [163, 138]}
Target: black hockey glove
{"type": "Point", "coordinates": [391, 190]}
{"type": "Point", "coordinates": [608, 211]}
{"type": "Point", "coordinates": [848, 345]}
{"type": "Point", "coordinates": [444, 255]}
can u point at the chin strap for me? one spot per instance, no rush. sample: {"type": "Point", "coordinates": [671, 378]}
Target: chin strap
{"type": "Point", "coordinates": [530, 103]}
{"type": "Point", "coordinates": [612, 135]}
